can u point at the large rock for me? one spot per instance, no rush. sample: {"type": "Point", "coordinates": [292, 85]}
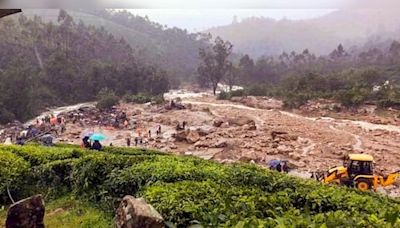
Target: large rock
{"type": "Point", "coordinates": [241, 120]}
{"type": "Point", "coordinates": [180, 135]}
{"type": "Point", "coordinates": [283, 149]}
{"type": "Point", "coordinates": [218, 123]}
{"type": "Point", "coordinates": [192, 137]}
{"type": "Point", "coordinates": [27, 213]}
{"type": "Point", "coordinates": [294, 156]}
{"type": "Point", "coordinates": [205, 130]}
{"type": "Point", "coordinates": [136, 213]}
{"type": "Point", "coordinates": [221, 143]}
{"type": "Point", "coordinates": [202, 143]}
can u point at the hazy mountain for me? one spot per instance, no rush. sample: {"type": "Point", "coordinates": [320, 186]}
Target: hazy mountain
{"type": "Point", "coordinates": [263, 36]}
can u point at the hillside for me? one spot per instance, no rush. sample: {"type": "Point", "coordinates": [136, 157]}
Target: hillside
{"type": "Point", "coordinates": [259, 36]}
{"type": "Point", "coordinates": [45, 61]}
{"type": "Point", "coordinates": [173, 49]}
{"type": "Point", "coordinates": [188, 190]}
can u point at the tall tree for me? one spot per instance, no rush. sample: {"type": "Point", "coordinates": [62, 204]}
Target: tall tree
{"type": "Point", "coordinates": [214, 62]}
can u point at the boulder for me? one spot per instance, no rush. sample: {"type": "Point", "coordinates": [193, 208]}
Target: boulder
{"type": "Point", "coordinates": [180, 136]}
{"type": "Point", "coordinates": [205, 130]}
{"type": "Point", "coordinates": [28, 213]}
{"type": "Point", "coordinates": [294, 156]}
{"type": "Point", "coordinates": [225, 125]}
{"type": "Point", "coordinates": [241, 120]}
{"type": "Point", "coordinates": [283, 149]}
{"type": "Point", "coordinates": [136, 213]}
{"type": "Point", "coordinates": [221, 143]}
{"type": "Point", "coordinates": [202, 143]}
{"type": "Point", "coordinates": [218, 123]}
{"type": "Point", "coordinates": [250, 127]}
{"type": "Point", "coordinates": [192, 137]}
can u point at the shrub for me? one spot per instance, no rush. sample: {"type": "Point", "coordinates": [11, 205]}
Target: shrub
{"type": "Point", "coordinates": [353, 97]}
{"type": "Point", "coordinates": [256, 90]}
{"type": "Point", "coordinates": [295, 100]}
{"type": "Point", "coordinates": [139, 98]}
{"type": "Point", "coordinates": [37, 155]}
{"type": "Point", "coordinates": [12, 169]}
{"type": "Point", "coordinates": [237, 93]}
{"type": "Point", "coordinates": [224, 96]}
{"type": "Point", "coordinates": [106, 99]}
{"type": "Point", "coordinates": [188, 190]}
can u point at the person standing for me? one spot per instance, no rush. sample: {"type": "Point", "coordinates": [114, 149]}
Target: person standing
{"type": "Point", "coordinates": [158, 132]}
{"type": "Point", "coordinates": [128, 141]}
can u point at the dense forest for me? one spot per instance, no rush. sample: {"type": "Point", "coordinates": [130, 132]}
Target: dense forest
{"type": "Point", "coordinates": [171, 48]}
{"type": "Point", "coordinates": [45, 63]}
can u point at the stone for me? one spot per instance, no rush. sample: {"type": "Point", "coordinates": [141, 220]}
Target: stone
{"type": "Point", "coordinates": [284, 149]}
{"type": "Point", "coordinates": [217, 123]}
{"type": "Point", "coordinates": [294, 156]}
{"type": "Point", "coordinates": [274, 134]}
{"type": "Point", "coordinates": [28, 213]}
{"type": "Point", "coordinates": [202, 143]}
{"type": "Point", "coordinates": [136, 213]}
{"type": "Point", "coordinates": [241, 120]}
{"type": "Point", "coordinates": [224, 125]}
{"type": "Point", "coordinates": [221, 143]}
{"type": "Point", "coordinates": [180, 136]}
{"type": "Point", "coordinates": [205, 130]}
{"type": "Point", "coordinates": [192, 137]}
{"type": "Point", "coordinates": [252, 127]}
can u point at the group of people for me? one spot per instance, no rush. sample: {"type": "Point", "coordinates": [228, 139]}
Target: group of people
{"type": "Point", "coordinates": [139, 138]}
{"type": "Point", "coordinates": [49, 124]}
{"type": "Point", "coordinates": [86, 143]}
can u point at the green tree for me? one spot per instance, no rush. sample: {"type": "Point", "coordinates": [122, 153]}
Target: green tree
{"type": "Point", "coordinates": [215, 64]}
{"type": "Point", "coordinates": [106, 99]}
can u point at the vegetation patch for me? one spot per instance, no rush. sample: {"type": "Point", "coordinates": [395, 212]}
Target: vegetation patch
{"type": "Point", "coordinates": [185, 190]}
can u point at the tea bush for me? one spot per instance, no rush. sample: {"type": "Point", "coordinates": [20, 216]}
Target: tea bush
{"type": "Point", "coordinates": [188, 190]}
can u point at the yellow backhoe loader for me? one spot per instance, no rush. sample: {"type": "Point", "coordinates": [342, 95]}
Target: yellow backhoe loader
{"type": "Point", "coordinates": [357, 171]}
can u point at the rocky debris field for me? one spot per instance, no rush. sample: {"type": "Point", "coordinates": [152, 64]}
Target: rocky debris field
{"type": "Point", "coordinates": [247, 129]}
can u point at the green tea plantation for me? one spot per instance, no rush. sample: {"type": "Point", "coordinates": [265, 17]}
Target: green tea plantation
{"type": "Point", "coordinates": [187, 191]}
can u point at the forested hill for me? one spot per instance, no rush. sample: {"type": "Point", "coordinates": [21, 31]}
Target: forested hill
{"type": "Point", "coordinates": [259, 36]}
{"type": "Point", "coordinates": [65, 62]}
{"type": "Point", "coordinates": [173, 49]}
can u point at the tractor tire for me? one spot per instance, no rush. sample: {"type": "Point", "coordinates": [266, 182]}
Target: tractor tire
{"type": "Point", "coordinates": [363, 184]}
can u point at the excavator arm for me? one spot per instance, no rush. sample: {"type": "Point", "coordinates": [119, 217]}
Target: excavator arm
{"type": "Point", "coordinates": [389, 179]}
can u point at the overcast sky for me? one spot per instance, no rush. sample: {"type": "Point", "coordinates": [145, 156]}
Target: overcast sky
{"type": "Point", "coordinates": [196, 15]}
{"type": "Point", "coordinates": [200, 19]}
